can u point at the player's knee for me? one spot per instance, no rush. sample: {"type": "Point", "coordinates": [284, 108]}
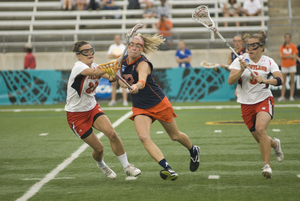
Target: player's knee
{"type": "Point", "coordinates": [260, 130]}
{"type": "Point", "coordinates": [144, 138]}
{"type": "Point", "coordinates": [175, 137]}
{"type": "Point", "coordinates": [112, 135]}
{"type": "Point", "coordinates": [99, 150]}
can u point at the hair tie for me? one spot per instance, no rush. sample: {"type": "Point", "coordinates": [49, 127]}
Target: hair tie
{"type": "Point", "coordinates": [139, 38]}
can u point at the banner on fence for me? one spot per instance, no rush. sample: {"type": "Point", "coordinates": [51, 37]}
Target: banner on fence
{"type": "Point", "coordinates": [179, 84]}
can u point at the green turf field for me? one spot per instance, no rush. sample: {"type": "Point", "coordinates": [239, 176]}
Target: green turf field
{"type": "Point", "coordinates": [28, 158]}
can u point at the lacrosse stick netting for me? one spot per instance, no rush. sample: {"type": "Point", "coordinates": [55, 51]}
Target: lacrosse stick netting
{"type": "Point", "coordinates": [201, 15]}
{"type": "Point", "coordinates": [110, 68]}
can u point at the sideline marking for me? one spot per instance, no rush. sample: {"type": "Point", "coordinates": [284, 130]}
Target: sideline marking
{"type": "Point", "coordinates": [36, 187]}
{"type": "Point", "coordinates": [31, 179]}
{"type": "Point", "coordinates": [129, 108]}
{"type": "Point", "coordinates": [213, 177]}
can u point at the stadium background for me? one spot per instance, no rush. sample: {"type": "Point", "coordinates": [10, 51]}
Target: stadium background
{"type": "Point", "coordinates": [44, 25]}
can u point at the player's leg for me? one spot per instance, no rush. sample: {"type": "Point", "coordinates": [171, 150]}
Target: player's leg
{"type": "Point", "coordinates": [282, 97]}
{"type": "Point", "coordinates": [292, 84]}
{"type": "Point", "coordinates": [265, 142]}
{"type": "Point", "coordinates": [124, 94]}
{"type": "Point", "coordinates": [113, 94]}
{"type": "Point", "coordinates": [97, 154]}
{"type": "Point", "coordinates": [103, 124]}
{"type": "Point", "coordinates": [142, 125]}
{"type": "Point", "coordinates": [176, 135]}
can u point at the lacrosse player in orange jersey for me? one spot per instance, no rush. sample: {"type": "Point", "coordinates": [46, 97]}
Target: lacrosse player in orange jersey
{"type": "Point", "coordinates": [83, 112]}
{"type": "Point", "coordinates": [150, 103]}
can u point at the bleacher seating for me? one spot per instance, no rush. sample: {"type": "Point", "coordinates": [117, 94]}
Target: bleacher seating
{"type": "Point", "coordinates": [51, 29]}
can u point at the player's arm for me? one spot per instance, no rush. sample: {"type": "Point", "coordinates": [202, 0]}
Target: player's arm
{"type": "Point", "coordinates": [235, 74]}
{"type": "Point", "coordinates": [228, 63]}
{"type": "Point", "coordinates": [276, 81]}
{"type": "Point", "coordinates": [93, 72]}
{"type": "Point", "coordinates": [143, 70]}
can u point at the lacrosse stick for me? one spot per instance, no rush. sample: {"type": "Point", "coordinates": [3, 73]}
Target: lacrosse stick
{"type": "Point", "coordinates": [110, 68]}
{"type": "Point", "coordinates": [206, 64]}
{"type": "Point", "coordinates": [129, 37]}
{"type": "Point", "coordinates": [201, 15]}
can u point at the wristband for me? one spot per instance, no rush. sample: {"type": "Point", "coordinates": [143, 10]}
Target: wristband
{"type": "Point", "coordinates": [143, 82]}
{"type": "Point", "coordinates": [279, 82]}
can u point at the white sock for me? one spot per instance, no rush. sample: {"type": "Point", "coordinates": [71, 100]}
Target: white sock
{"type": "Point", "coordinates": [101, 164]}
{"type": "Point", "coordinates": [123, 159]}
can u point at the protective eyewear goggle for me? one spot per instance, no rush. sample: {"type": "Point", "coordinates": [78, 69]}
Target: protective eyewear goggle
{"type": "Point", "coordinates": [86, 52]}
{"type": "Point", "coordinates": [253, 46]}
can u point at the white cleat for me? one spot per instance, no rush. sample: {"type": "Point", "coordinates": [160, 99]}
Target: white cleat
{"type": "Point", "coordinates": [125, 103]}
{"type": "Point", "coordinates": [278, 152]}
{"type": "Point", "coordinates": [112, 103]}
{"type": "Point", "coordinates": [108, 172]}
{"type": "Point", "coordinates": [130, 170]}
{"type": "Point", "coordinates": [267, 171]}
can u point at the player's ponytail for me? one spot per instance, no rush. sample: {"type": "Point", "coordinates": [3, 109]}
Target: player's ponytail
{"type": "Point", "coordinates": [245, 38]}
{"type": "Point", "coordinates": [151, 43]}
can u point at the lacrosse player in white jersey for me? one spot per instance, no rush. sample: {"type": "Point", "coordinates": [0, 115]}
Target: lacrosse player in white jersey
{"type": "Point", "coordinates": [257, 103]}
{"type": "Point", "coordinates": [83, 112]}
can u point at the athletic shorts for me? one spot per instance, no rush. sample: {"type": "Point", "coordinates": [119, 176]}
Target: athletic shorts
{"type": "Point", "coordinates": [163, 111]}
{"type": "Point", "coordinates": [81, 122]}
{"type": "Point", "coordinates": [291, 69]}
{"type": "Point", "coordinates": [249, 111]}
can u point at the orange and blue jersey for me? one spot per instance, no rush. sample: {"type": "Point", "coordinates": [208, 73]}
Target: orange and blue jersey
{"type": "Point", "coordinates": [151, 94]}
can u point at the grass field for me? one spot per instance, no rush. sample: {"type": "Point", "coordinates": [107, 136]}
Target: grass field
{"type": "Point", "coordinates": [34, 142]}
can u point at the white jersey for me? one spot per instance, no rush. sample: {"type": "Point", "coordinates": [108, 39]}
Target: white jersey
{"type": "Point", "coordinates": [249, 91]}
{"type": "Point", "coordinates": [81, 89]}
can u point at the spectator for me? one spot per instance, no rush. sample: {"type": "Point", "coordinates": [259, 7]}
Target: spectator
{"type": "Point", "coordinates": [183, 55]}
{"type": "Point", "coordinates": [149, 10]}
{"type": "Point", "coordinates": [163, 9]}
{"type": "Point", "coordinates": [67, 4]}
{"type": "Point", "coordinates": [238, 48]}
{"type": "Point", "coordinates": [288, 54]}
{"type": "Point", "coordinates": [114, 52]}
{"type": "Point", "coordinates": [81, 4]}
{"type": "Point", "coordinates": [109, 5]}
{"type": "Point", "coordinates": [133, 4]}
{"type": "Point", "coordinates": [164, 27]}
{"type": "Point", "coordinates": [251, 8]}
{"type": "Point", "coordinates": [232, 8]}
{"type": "Point", "coordinates": [29, 59]}
{"type": "Point", "coordinates": [94, 5]}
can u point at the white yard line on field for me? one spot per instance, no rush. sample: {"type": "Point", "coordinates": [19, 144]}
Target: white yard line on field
{"type": "Point", "coordinates": [129, 108]}
{"type": "Point", "coordinates": [36, 187]}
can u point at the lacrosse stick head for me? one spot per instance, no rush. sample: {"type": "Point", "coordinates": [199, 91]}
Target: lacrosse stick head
{"type": "Point", "coordinates": [110, 68]}
{"type": "Point", "coordinates": [201, 15]}
{"type": "Point", "coordinates": [132, 32]}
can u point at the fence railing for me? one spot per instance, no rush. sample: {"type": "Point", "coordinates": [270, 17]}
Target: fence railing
{"type": "Point", "coordinates": [17, 26]}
